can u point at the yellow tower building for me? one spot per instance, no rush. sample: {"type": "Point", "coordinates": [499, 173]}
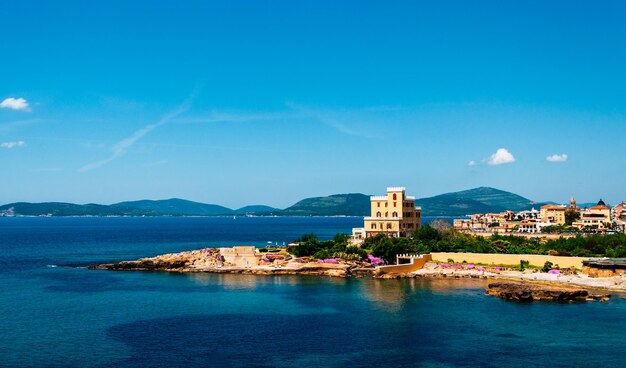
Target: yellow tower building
{"type": "Point", "coordinates": [393, 214]}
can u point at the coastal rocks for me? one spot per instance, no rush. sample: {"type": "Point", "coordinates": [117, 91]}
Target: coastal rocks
{"type": "Point", "coordinates": [212, 261]}
{"type": "Point", "coordinates": [184, 261]}
{"type": "Point", "coordinates": [523, 292]}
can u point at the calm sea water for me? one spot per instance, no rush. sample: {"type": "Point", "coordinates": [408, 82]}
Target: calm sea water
{"type": "Point", "coordinates": [73, 317]}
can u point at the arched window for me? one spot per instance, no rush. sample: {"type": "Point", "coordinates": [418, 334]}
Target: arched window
{"type": "Point", "coordinates": [395, 214]}
{"type": "Point", "coordinates": [373, 226]}
{"type": "Point", "coordinates": [394, 196]}
{"type": "Point", "coordinates": [386, 214]}
{"type": "Point", "coordinates": [388, 225]}
{"type": "Point", "coordinates": [378, 214]}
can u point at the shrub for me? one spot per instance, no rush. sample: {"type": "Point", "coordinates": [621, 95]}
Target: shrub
{"type": "Point", "coordinates": [547, 266]}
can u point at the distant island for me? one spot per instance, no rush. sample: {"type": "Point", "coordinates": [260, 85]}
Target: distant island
{"type": "Point", "coordinates": [477, 200]}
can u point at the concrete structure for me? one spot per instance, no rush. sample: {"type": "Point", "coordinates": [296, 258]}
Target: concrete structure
{"type": "Point", "coordinates": [552, 213]}
{"type": "Point", "coordinates": [597, 218]}
{"type": "Point", "coordinates": [394, 215]}
{"type": "Point", "coordinates": [241, 256]}
{"type": "Point", "coordinates": [406, 263]}
{"type": "Point", "coordinates": [604, 267]}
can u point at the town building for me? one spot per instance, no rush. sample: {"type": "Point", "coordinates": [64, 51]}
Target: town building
{"type": "Point", "coordinates": [553, 213]}
{"type": "Point", "coordinates": [619, 211]}
{"type": "Point", "coordinates": [596, 218]}
{"type": "Point", "coordinates": [393, 214]}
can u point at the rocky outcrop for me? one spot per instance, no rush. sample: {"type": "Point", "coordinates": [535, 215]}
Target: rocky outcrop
{"type": "Point", "coordinates": [210, 260]}
{"type": "Point", "coordinates": [526, 292]}
{"type": "Point", "coordinates": [195, 259]}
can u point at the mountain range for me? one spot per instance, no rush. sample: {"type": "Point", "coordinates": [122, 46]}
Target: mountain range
{"type": "Point", "coordinates": [477, 200]}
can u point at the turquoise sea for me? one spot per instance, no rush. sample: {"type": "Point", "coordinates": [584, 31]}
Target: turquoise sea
{"type": "Point", "coordinates": [53, 315]}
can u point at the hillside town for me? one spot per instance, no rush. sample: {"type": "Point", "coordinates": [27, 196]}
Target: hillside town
{"type": "Point", "coordinates": [550, 218]}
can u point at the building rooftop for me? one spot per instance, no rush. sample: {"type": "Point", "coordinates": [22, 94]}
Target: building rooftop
{"type": "Point", "coordinates": [606, 263]}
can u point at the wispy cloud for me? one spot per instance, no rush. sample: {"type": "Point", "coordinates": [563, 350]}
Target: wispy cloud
{"type": "Point", "coordinates": [501, 157]}
{"type": "Point", "coordinates": [15, 104]}
{"type": "Point", "coordinates": [329, 120]}
{"type": "Point", "coordinates": [471, 163]}
{"type": "Point", "coordinates": [218, 116]}
{"type": "Point", "coordinates": [557, 158]}
{"type": "Point", "coordinates": [4, 127]}
{"type": "Point", "coordinates": [122, 147]}
{"type": "Point", "coordinates": [9, 145]}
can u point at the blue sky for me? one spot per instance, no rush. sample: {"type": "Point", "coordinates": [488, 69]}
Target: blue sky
{"type": "Point", "coordinates": [254, 102]}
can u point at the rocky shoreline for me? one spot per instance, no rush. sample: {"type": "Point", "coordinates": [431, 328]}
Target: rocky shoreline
{"type": "Point", "coordinates": [525, 292]}
{"type": "Point", "coordinates": [209, 260]}
{"type": "Point", "coordinates": [513, 285]}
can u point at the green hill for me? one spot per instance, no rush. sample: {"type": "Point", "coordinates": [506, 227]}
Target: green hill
{"type": "Point", "coordinates": [176, 207]}
{"type": "Point", "coordinates": [353, 204]}
{"type": "Point", "coordinates": [478, 200]}
{"type": "Point", "coordinates": [257, 209]}
{"type": "Point", "coordinates": [70, 209]}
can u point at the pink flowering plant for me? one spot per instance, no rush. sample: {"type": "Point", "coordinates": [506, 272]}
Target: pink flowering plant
{"type": "Point", "coordinates": [329, 260]}
{"type": "Point", "coordinates": [375, 261]}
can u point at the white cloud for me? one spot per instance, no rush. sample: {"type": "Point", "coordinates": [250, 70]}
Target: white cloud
{"type": "Point", "coordinates": [471, 163]}
{"type": "Point", "coordinates": [557, 158]}
{"type": "Point", "coordinates": [9, 145]}
{"type": "Point", "coordinates": [501, 157]}
{"type": "Point", "coordinates": [14, 104]}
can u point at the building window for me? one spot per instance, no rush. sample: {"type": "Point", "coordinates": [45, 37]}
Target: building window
{"type": "Point", "coordinates": [388, 225]}
{"type": "Point", "coordinates": [378, 203]}
{"type": "Point", "coordinates": [386, 204]}
{"type": "Point", "coordinates": [386, 214]}
{"type": "Point", "coordinates": [395, 214]}
{"type": "Point", "coordinates": [378, 214]}
{"type": "Point", "coordinates": [373, 226]}
{"type": "Point", "coordinates": [395, 196]}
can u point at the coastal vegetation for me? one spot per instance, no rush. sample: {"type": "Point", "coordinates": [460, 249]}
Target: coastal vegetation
{"type": "Point", "coordinates": [430, 239]}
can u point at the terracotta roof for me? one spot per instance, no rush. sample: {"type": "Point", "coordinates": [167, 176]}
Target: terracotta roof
{"type": "Point", "coordinates": [553, 207]}
{"type": "Point", "coordinates": [599, 208]}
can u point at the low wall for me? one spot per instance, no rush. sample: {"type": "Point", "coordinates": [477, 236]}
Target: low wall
{"type": "Point", "coordinates": [510, 259]}
{"type": "Point", "coordinates": [418, 264]}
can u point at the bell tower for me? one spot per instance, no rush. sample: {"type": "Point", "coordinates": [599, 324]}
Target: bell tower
{"type": "Point", "coordinates": [572, 203]}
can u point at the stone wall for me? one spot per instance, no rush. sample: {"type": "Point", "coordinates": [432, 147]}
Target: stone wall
{"type": "Point", "coordinates": [603, 272]}
{"type": "Point", "coordinates": [241, 256]}
{"type": "Point", "coordinates": [510, 259]}
{"type": "Point", "coordinates": [418, 264]}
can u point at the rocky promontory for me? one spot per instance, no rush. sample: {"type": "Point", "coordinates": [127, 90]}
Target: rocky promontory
{"type": "Point", "coordinates": [526, 292]}
{"type": "Point", "coordinates": [211, 260]}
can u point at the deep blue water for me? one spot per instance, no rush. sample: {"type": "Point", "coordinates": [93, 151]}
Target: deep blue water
{"type": "Point", "coordinates": [64, 316]}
